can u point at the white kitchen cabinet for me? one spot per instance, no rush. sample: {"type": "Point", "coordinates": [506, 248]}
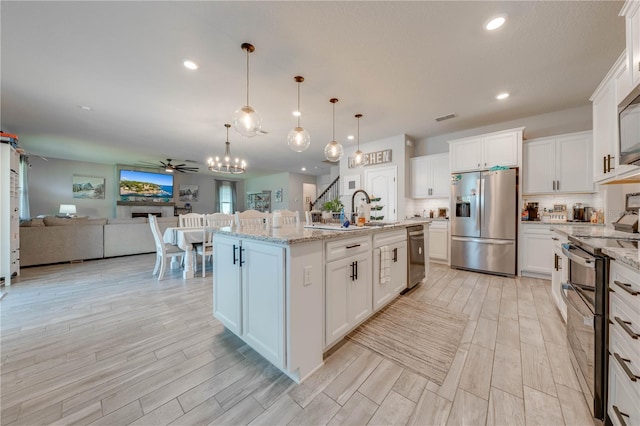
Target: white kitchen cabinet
{"type": "Point", "coordinates": [485, 151]}
{"type": "Point", "coordinates": [559, 273]}
{"type": "Point", "coordinates": [430, 176]}
{"type": "Point", "coordinates": [396, 243]}
{"type": "Point", "coordinates": [623, 399]}
{"type": "Point", "coordinates": [249, 293]}
{"type": "Point", "coordinates": [9, 216]}
{"type": "Point", "coordinates": [536, 247]}
{"type": "Point", "coordinates": [605, 100]}
{"type": "Point", "coordinates": [439, 241]}
{"type": "Point", "coordinates": [348, 297]}
{"type": "Point", "coordinates": [631, 12]}
{"type": "Point", "coordinates": [559, 164]}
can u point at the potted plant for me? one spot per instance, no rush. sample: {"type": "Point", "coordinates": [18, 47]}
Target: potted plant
{"type": "Point", "coordinates": [330, 207]}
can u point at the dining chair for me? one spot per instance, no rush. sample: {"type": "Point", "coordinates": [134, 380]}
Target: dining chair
{"type": "Point", "coordinates": [191, 220]}
{"type": "Point", "coordinates": [252, 219]}
{"type": "Point", "coordinates": [290, 218]}
{"type": "Point", "coordinates": [164, 250]}
{"type": "Point", "coordinates": [211, 222]}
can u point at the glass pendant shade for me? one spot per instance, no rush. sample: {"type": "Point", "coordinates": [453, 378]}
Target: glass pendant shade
{"type": "Point", "coordinates": [333, 151]}
{"type": "Point", "coordinates": [298, 139]}
{"type": "Point", "coordinates": [357, 159]}
{"type": "Point", "coordinates": [247, 121]}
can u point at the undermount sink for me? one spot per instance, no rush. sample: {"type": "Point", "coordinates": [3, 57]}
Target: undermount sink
{"type": "Point", "coordinates": [380, 224]}
{"type": "Point", "coordinates": [326, 227]}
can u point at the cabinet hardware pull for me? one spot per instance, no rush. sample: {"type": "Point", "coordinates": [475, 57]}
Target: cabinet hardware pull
{"type": "Point", "coordinates": [554, 238]}
{"type": "Point", "coordinates": [241, 259]}
{"type": "Point", "coordinates": [626, 326]}
{"type": "Point", "coordinates": [235, 259]}
{"type": "Point", "coordinates": [558, 185]}
{"type": "Point", "coordinates": [626, 287]}
{"type": "Point", "coordinates": [352, 276]}
{"type": "Point", "coordinates": [395, 255]}
{"type": "Point", "coordinates": [609, 168]}
{"type": "Point", "coordinates": [604, 164]}
{"type": "Point", "coordinates": [619, 415]}
{"type": "Point", "coordinates": [554, 185]}
{"type": "Point", "coordinates": [356, 262]}
{"type": "Point", "coordinates": [555, 261]}
{"type": "Point", "coordinates": [353, 246]}
{"type": "Point", "coordinates": [623, 363]}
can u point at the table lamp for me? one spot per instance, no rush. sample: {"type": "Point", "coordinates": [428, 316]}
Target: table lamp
{"type": "Point", "coordinates": [68, 210]}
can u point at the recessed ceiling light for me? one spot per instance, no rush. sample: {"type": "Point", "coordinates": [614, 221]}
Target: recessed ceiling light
{"type": "Point", "coordinates": [351, 137]}
{"type": "Point", "coordinates": [297, 113]}
{"type": "Point", "coordinates": [304, 169]}
{"type": "Point", "coordinates": [495, 23]}
{"type": "Point", "coordinates": [85, 108]}
{"type": "Point", "coordinates": [190, 64]}
{"type": "Point", "coordinates": [501, 96]}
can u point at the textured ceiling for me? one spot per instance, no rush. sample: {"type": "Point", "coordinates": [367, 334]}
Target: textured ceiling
{"type": "Point", "coordinates": [400, 64]}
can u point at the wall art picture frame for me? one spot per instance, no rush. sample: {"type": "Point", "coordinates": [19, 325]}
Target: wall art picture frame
{"type": "Point", "coordinates": [88, 187]}
{"type": "Point", "coordinates": [188, 192]}
{"type": "Point", "coordinates": [279, 195]}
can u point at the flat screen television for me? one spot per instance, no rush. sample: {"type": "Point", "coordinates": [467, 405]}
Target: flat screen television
{"type": "Point", "coordinates": [134, 183]}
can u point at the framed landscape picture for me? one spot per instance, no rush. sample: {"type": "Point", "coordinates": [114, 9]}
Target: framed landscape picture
{"type": "Point", "coordinates": [88, 187]}
{"type": "Point", "coordinates": [188, 192]}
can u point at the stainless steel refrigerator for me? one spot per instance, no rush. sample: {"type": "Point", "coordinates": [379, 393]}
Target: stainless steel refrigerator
{"type": "Point", "coordinates": [483, 221]}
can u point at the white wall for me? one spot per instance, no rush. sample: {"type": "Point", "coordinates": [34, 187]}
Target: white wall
{"type": "Point", "coordinates": [291, 184]}
{"type": "Point", "coordinates": [549, 124]}
{"type": "Point", "coordinates": [398, 146]}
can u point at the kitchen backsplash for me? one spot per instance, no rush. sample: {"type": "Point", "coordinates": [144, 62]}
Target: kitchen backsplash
{"type": "Point", "coordinates": [420, 207]}
{"type": "Point", "coordinates": [596, 201]}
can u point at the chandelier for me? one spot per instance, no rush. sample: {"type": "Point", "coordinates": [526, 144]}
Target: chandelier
{"type": "Point", "coordinates": [226, 164]}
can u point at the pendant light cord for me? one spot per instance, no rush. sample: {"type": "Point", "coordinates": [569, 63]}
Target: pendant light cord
{"type": "Point", "coordinates": [358, 133]}
{"type": "Point", "coordinates": [299, 113]}
{"type": "Point", "coordinates": [334, 121]}
{"type": "Point", "coordinates": [247, 77]}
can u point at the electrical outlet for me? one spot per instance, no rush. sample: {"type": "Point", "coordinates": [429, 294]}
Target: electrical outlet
{"type": "Point", "coordinates": [307, 275]}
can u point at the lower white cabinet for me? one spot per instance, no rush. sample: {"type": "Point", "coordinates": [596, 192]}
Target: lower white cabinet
{"type": "Point", "coordinates": [439, 241]}
{"type": "Point", "coordinates": [535, 250]}
{"type": "Point", "coordinates": [623, 402]}
{"type": "Point", "coordinates": [348, 297]}
{"type": "Point", "coordinates": [559, 273]}
{"type": "Point", "coordinates": [396, 243]}
{"type": "Point", "coordinates": [249, 293]}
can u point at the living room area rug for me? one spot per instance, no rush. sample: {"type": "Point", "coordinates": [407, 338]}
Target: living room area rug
{"type": "Point", "coordinates": [420, 337]}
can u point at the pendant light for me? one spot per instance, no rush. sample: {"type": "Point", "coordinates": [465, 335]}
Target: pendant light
{"type": "Point", "coordinates": [357, 159]}
{"type": "Point", "coordinates": [334, 150]}
{"type": "Point", "coordinates": [226, 164]}
{"type": "Point", "coordinates": [298, 138]}
{"type": "Point", "coordinates": [246, 120]}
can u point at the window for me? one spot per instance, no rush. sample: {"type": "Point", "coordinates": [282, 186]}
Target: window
{"type": "Point", "coordinates": [226, 196]}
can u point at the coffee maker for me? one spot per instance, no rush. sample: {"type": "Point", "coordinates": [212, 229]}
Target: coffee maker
{"type": "Point", "coordinates": [581, 213]}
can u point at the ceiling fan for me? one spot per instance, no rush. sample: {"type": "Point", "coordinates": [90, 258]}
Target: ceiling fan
{"type": "Point", "coordinates": [170, 168]}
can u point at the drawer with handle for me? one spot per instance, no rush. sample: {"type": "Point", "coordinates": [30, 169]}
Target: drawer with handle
{"type": "Point", "coordinates": [625, 319]}
{"type": "Point", "coordinates": [623, 404]}
{"type": "Point", "coordinates": [625, 282]}
{"type": "Point", "coordinates": [344, 248]}
{"type": "Point", "coordinates": [626, 358]}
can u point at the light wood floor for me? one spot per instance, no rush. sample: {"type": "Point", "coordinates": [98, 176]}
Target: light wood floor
{"type": "Point", "coordinates": [103, 342]}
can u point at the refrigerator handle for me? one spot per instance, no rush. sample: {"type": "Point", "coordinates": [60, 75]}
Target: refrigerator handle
{"type": "Point", "coordinates": [479, 201]}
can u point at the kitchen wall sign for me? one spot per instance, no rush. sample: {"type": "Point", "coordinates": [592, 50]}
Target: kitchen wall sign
{"type": "Point", "coordinates": [373, 158]}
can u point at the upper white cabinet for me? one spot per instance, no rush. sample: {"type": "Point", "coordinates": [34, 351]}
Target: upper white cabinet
{"type": "Point", "coordinates": [559, 164]}
{"type": "Point", "coordinates": [631, 12]}
{"type": "Point", "coordinates": [485, 151]}
{"type": "Point", "coordinates": [430, 176]}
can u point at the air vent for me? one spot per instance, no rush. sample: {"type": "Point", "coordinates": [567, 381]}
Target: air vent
{"type": "Point", "coordinates": [445, 117]}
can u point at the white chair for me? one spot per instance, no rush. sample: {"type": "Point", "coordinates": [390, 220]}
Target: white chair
{"type": "Point", "coordinates": [164, 250]}
{"type": "Point", "coordinates": [191, 220]}
{"type": "Point", "coordinates": [289, 218]}
{"type": "Point", "coordinates": [212, 221]}
{"type": "Point", "coordinates": [252, 219]}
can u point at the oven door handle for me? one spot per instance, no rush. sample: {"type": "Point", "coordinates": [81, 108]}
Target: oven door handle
{"type": "Point", "coordinates": [586, 262]}
{"type": "Point", "coordinates": [568, 302]}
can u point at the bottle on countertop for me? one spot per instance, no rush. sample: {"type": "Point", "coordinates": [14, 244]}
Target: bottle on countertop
{"type": "Point", "coordinates": [341, 216]}
{"type": "Point", "coordinates": [361, 218]}
{"type": "Point", "coordinates": [277, 219]}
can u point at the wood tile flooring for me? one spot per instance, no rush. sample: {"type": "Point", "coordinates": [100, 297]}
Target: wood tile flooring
{"type": "Point", "coordinates": [103, 343]}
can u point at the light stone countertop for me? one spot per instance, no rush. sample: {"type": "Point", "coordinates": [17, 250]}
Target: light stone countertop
{"type": "Point", "coordinates": [300, 234]}
{"type": "Point", "coordinates": [539, 222]}
{"type": "Point", "coordinates": [628, 256]}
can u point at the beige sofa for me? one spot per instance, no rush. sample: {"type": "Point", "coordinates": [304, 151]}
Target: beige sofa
{"type": "Point", "coordinates": [55, 240]}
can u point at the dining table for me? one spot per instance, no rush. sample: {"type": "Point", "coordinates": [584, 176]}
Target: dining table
{"type": "Point", "coordinates": [185, 238]}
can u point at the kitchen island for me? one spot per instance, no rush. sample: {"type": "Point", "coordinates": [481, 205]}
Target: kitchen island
{"type": "Point", "coordinates": [292, 293]}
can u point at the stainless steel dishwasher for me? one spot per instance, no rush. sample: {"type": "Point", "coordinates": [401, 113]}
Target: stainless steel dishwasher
{"type": "Point", "coordinates": [416, 257]}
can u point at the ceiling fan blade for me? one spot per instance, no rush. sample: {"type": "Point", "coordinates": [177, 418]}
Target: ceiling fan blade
{"type": "Point", "coordinates": [179, 165]}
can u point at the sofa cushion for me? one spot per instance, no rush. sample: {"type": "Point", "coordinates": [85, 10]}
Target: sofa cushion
{"type": "Point", "coordinates": [128, 220]}
{"type": "Point", "coordinates": [66, 221]}
{"type": "Point", "coordinates": [36, 221]}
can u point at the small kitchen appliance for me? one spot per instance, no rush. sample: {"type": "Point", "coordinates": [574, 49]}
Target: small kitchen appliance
{"type": "Point", "coordinates": [628, 222]}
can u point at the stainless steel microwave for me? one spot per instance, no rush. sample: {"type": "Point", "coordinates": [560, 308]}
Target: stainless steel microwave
{"type": "Point", "coordinates": [629, 130]}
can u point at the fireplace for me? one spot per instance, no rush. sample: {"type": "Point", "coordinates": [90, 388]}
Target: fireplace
{"type": "Point", "coordinates": [129, 209]}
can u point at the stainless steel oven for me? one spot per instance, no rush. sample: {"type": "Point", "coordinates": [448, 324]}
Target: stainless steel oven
{"type": "Point", "coordinates": [585, 295]}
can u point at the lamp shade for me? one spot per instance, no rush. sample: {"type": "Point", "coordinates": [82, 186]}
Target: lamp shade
{"type": "Point", "coordinates": [67, 209]}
